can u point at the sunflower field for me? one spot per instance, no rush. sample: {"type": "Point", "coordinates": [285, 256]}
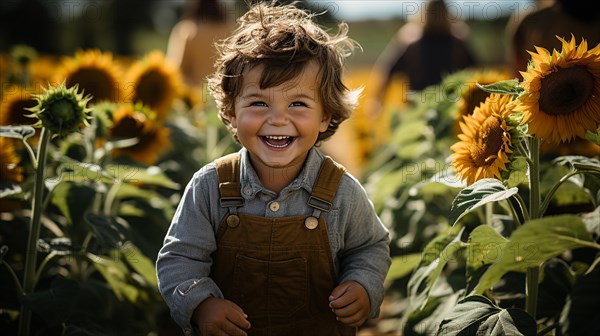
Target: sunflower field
{"type": "Point", "coordinates": [490, 187]}
{"type": "Point", "coordinates": [93, 161]}
{"type": "Point", "coordinates": [493, 188]}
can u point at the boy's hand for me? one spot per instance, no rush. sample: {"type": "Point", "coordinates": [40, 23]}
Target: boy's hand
{"type": "Point", "coordinates": [350, 303]}
{"type": "Point", "coordinates": [215, 316]}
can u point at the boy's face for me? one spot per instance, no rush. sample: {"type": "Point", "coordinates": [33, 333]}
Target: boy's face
{"type": "Point", "coordinates": [279, 125]}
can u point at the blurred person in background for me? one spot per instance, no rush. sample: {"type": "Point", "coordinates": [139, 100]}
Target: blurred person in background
{"type": "Point", "coordinates": [548, 19]}
{"type": "Point", "coordinates": [426, 48]}
{"type": "Point", "coordinates": [191, 42]}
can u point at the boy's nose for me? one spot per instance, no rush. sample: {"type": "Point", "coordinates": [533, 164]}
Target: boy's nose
{"type": "Point", "coordinates": [278, 116]}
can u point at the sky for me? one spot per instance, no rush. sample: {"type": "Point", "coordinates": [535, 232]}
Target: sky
{"type": "Point", "coordinates": [383, 9]}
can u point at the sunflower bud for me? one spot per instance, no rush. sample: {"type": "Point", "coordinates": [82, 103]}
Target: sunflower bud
{"type": "Point", "coordinates": [61, 110]}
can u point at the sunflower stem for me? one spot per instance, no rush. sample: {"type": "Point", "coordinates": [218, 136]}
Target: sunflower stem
{"type": "Point", "coordinates": [31, 153]}
{"type": "Point", "coordinates": [533, 273]}
{"type": "Point", "coordinates": [514, 213]}
{"type": "Point", "coordinates": [34, 230]}
{"type": "Point", "coordinates": [489, 213]}
{"type": "Point", "coordinates": [45, 262]}
{"type": "Point", "coordinates": [523, 152]}
{"type": "Point", "coordinates": [534, 178]}
{"type": "Point", "coordinates": [111, 196]}
{"type": "Point", "coordinates": [13, 275]}
{"type": "Point", "coordinates": [523, 206]}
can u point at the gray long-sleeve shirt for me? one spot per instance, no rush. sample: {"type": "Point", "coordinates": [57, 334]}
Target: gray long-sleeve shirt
{"type": "Point", "coordinates": [359, 241]}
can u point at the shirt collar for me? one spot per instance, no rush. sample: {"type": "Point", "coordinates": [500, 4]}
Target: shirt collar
{"type": "Point", "coordinates": [250, 184]}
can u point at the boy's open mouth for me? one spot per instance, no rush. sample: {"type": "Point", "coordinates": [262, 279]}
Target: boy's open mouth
{"type": "Point", "coordinates": [278, 141]}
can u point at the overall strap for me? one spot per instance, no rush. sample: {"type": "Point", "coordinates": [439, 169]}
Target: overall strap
{"type": "Point", "coordinates": [228, 175]}
{"type": "Point", "coordinates": [326, 185]}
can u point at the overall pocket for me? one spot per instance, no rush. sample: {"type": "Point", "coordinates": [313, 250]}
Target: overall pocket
{"type": "Point", "coordinates": [276, 288]}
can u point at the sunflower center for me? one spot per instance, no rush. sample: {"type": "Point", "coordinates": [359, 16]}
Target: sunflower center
{"type": "Point", "coordinates": [96, 82]}
{"type": "Point", "coordinates": [16, 113]}
{"type": "Point", "coordinates": [565, 90]}
{"type": "Point", "coordinates": [126, 127]}
{"type": "Point", "coordinates": [487, 142]}
{"type": "Point", "coordinates": [151, 88]}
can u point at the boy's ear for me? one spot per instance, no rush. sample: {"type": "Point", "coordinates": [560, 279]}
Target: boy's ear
{"type": "Point", "coordinates": [230, 116]}
{"type": "Point", "coordinates": [325, 122]}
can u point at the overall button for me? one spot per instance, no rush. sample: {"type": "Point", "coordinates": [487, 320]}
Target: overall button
{"type": "Point", "coordinates": [233, 221]}
{"type": "Point", "coordinates": [248, 190]}
{"type": "Point", "coordinates": [274, 206]}
{"type": "Point", "coordinates": [311, 223]}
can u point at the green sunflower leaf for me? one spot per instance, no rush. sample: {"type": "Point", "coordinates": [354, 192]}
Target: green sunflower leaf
{"type": "Point", "coordinates": [535, 242]}
{"type": "Point", "coordinates": [510, 86]}
{"type": "Point", "coordinates": [484, 247]}
{"type": "Point", "coordinates": [140, 263]}
{"type": "Point", "coordinates": [73, 200]}
{"type": "Point", "coordinates": [593, 136]}
{"type": "Point", "coordinates": [477, 315]}
{"type": "Point", "coordinates": [579, 162]}
{"type": "Point", "coordinates": [139, 175]}
{"type": "Point", "coordinates": [83, 172]}
{"type": "Point", "coordinates": [106, 231]}
{"type": "Point", "coordinates": [17, 132]}
{"type": "Point", "coordinates": [433, 259]}
{"type": "Point", "coordinates": [479, 193]}
{"type": "Point", "coordinates": [9, 188]}
{"type": "Point", "coordinates": [116, 274]}
{"type": "Point", "coordinates": [403, 265]}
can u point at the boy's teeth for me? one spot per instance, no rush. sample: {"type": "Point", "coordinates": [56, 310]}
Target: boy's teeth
{"type": "Point", "coordinates": [278, 141]}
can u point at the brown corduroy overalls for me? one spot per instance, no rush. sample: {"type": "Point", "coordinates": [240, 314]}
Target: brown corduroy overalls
{"type": "Point", "coordinates": [278, 270]}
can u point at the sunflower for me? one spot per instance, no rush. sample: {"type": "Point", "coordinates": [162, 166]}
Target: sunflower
{"type": "Point", "coordinates": [135, 121]}
{"type": "Point", "coordinates": [562, 92]}
{"type": "Point", "coordinates": [95, 72]}
{"type": "Point", "coordinates": [486, 140]}
{"type": "Point", "coordinates": [13, 109]}
{"type": "Point", "coordinates": [155, 82]}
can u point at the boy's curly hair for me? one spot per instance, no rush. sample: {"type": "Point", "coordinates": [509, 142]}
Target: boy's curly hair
{"type": "Point", "coordinates": [284, 39]}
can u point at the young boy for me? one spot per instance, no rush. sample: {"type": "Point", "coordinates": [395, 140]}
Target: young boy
{"type": "Point", "coordinates": [276, 239]}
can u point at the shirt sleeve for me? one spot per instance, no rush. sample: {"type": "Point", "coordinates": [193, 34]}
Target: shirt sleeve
{"type": "Point", "coordinates": [364, 252]}
{"type": "Point", "coordinates": [184, 261]}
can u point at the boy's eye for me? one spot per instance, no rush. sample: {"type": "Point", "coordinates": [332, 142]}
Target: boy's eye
{"type": "Point", "coordinates": [296, 104]}
{"type": "Point", "coordinates": [258, 103]}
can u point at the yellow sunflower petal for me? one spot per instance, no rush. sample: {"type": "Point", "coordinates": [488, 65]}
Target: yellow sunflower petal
{"type": "Point", "coordinates": [484, 146]}
{"type": "Point", "coordinates": [96, 73]}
